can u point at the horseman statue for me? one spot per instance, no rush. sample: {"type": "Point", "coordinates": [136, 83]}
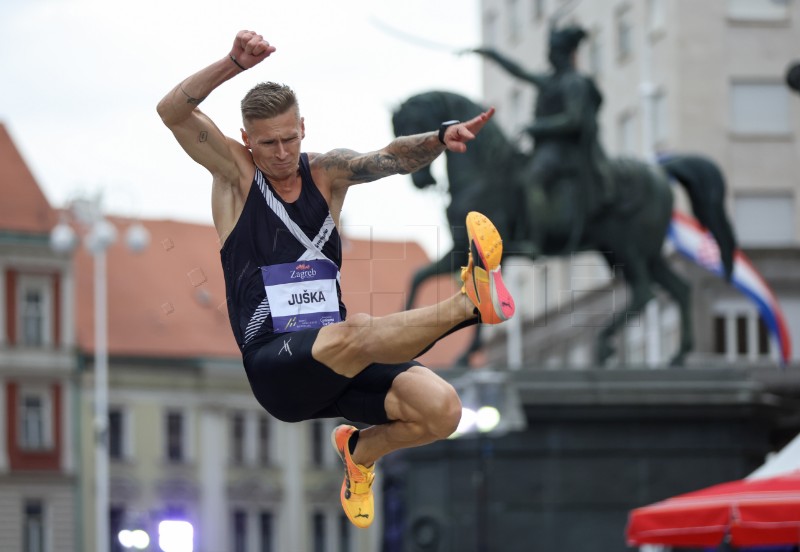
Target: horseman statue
{"type": "Point", "coordinates": [566, 196]}
{"type": "Point", "coordinates": [568, 163]}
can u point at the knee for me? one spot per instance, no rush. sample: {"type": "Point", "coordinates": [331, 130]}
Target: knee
{"type": "Point", "coordinates": [346, 338]}
{"type": "Point", "coordinates": [445, 413]}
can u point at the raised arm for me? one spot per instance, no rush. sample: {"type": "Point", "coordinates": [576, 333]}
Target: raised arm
{"type": "Point", "coordinates": [195, 132]}
{"type": "Point", "coordinates": [404, 155]}
{"type": "Point", "coordinates": [511, 67]}
{"type": "Point", "coordinates": [339, 169]}
{"type": "Point", "coordinates": [228, 161]}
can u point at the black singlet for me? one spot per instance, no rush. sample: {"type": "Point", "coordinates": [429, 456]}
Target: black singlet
{"type": "Point", "coordinates": [262, 238]}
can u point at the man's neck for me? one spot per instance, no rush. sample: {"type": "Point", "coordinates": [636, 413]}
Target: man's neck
{"type": "Point", "coordinates": [288, 189]}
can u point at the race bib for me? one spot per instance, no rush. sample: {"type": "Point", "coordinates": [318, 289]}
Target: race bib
{"type": "Point", "coordinates": [302, 294]}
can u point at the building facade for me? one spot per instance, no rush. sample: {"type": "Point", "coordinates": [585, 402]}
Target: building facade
{"type": "Point", "coordinates": [38, 373]}
{"type": "Point", "coordinates": [676, 76]}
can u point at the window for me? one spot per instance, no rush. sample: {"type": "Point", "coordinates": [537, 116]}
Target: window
{"type": "Point", "coordinates": [740, 333]}
{"type": "Point", "coordinates": [758, 10]}
{"type": "Point", "coordinates": [318, 528]}
{"type": "Point", "coordinates": [627, 134]}
{"type": "Point", "coordinates": [116, 520]}
{"type": "Point", "coordinates": [344, 534]}
{"type": "Point", "coordinates": [660, 118]}
{"type": "Point", "coordinates": [263, 440]}
{"type": "Point", "coordinates": [624, 29]}
{"type": "Point", "coordinates": [237, 438]}
{"type": "Point", "coordinates": [595, 53]}
{"type": "Point", "coordinates": [759, 108]}
{"type": "Point", "coordinates": [239, 531]}
{"type": "Point", "coordinates": [116, 434]}
{"type": "Point", "coordinates": [515, 19]}
{"type": "Point", "coordinates": [317, 443]}
{"type": "Point", "coordinates": [490, 29]}
{"type": "Point", "coordinates": [32, 318]}
{"type": "Point", "coordinates": [33, 527]}
{"type": "Point", "coordinates": [720, 345]}
{"type": "Point", "coordinates": [655, 14]}
{"type": "Point", "coordinates": [751, 210]}
{"type": "Point", "coordinates": [175, 435]}
{"type": "Point", "coordinates": [265, 531]}
{"type": "Point", "coordinates": [537, 9]}
{"type": "Point", "coordinates": [34, 310]}
{"type": "Point", "coordinates": [35, 427]}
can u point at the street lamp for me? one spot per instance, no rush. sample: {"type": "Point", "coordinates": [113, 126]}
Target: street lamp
{"type": "Point", "coordinates": [136, 539]}
{"type": "Point", "coordinates": [99, 235]}
{"type": "Point", "coordinates": [491, 404]}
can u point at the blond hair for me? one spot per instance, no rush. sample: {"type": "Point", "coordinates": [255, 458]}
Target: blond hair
{"type": "Point", "coordinates": [267, 100]}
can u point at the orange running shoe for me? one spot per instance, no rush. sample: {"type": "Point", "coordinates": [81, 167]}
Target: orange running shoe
{"type": "Point", "coordinates": [357, 499]}
{"type": "Point", "coordinates": [483, 283]}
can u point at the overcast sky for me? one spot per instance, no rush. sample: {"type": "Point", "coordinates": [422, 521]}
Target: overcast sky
{"type": "Point", "coordinates": [81, 79]}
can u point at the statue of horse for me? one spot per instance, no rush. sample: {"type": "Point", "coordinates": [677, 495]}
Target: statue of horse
{"type": "Point", "coordinates": [492, 177]}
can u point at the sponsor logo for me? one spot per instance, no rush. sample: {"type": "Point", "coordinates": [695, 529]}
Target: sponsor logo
{"type": "Point", "coordinates": [302, 271]}
{"type": "Point", "coordinates": [322, 237]}
{"type": "Point", "coordinates": [285, 347]}
{"type": "Point", "coordinates": [326, 320]}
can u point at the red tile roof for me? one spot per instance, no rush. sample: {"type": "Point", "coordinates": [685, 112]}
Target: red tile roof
{"type": "Point", "coordinates": [24, 207]}
{"type": "Point", "coordinates": [169, 301]}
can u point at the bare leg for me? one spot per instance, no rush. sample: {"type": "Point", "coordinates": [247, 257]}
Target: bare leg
{"type": "Point", "coordinates": [350, 346]}
{"type": "Point", "coordinates": [424, 408]}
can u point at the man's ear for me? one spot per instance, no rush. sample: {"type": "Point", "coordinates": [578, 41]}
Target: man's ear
{"type": "Point", "coordinates": [245, 139]}
{"type": "Point", "coordinates": [302, 127]}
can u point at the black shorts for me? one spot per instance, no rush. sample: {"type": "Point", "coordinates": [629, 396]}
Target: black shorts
{"type": "Point", "coordinates": [292, 386]}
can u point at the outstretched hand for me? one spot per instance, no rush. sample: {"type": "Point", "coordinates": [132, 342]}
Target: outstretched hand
{"type": "Point", "coordinates": [249, 49]}
{"type": "Point", "coordinates": [456, 136]}
{"type": "Point", "coordinates": [480, 51]}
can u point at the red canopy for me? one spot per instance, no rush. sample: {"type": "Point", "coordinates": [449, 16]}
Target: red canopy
{"type": "Point", "coordinates": [754, 512]}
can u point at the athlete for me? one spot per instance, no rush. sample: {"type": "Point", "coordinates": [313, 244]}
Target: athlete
{"type": "Point", "coordinates": [276, 210]}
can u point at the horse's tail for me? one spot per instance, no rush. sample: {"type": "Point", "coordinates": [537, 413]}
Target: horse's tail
{"type": "Point", "coordinates": [705, 185]}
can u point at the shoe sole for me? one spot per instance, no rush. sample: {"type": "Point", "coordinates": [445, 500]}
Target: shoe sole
{"type": "Point", "coordinates": [486, 247]}
{"type": "Point", "coordinates": [484, 241]}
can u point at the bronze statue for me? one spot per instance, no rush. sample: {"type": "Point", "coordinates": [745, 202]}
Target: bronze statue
{"type": "Point", "coordinates": [629, 231]}
{"type": "Point", "coordinates": [793, 76]}
{"type": "Point", "coordinates": [568, 159]}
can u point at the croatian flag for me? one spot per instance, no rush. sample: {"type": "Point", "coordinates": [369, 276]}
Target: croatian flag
{"type": "Point", "coordinates": [696, 243]}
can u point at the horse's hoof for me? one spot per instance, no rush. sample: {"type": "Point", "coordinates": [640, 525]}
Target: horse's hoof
{"type": "Point", "coordinates": [678, 360]}
{"type": "Point", "coordinates": [604, 352]}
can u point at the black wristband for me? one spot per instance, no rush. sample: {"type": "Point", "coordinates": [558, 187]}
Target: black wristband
{"type": "Point", "coordinates": [444, 126]}
{"type": "Point", "coordinates": [239, 65]}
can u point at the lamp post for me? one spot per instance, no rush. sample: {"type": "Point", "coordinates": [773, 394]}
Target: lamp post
{"type": "Point", "coordinates": [99, 235]}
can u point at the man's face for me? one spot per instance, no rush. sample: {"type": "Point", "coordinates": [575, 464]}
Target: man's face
{"type": "Point", "coordinates": [275, 143]}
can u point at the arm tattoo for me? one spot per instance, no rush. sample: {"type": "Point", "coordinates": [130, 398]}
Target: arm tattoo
{"type": "Point", "coordinates": [189, 98]}
{"type": "Point", "coordinates": [403, 156]}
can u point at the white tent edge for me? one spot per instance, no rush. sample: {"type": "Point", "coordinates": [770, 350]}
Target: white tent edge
{"type": "Point", "coordinates": [782, 462]}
